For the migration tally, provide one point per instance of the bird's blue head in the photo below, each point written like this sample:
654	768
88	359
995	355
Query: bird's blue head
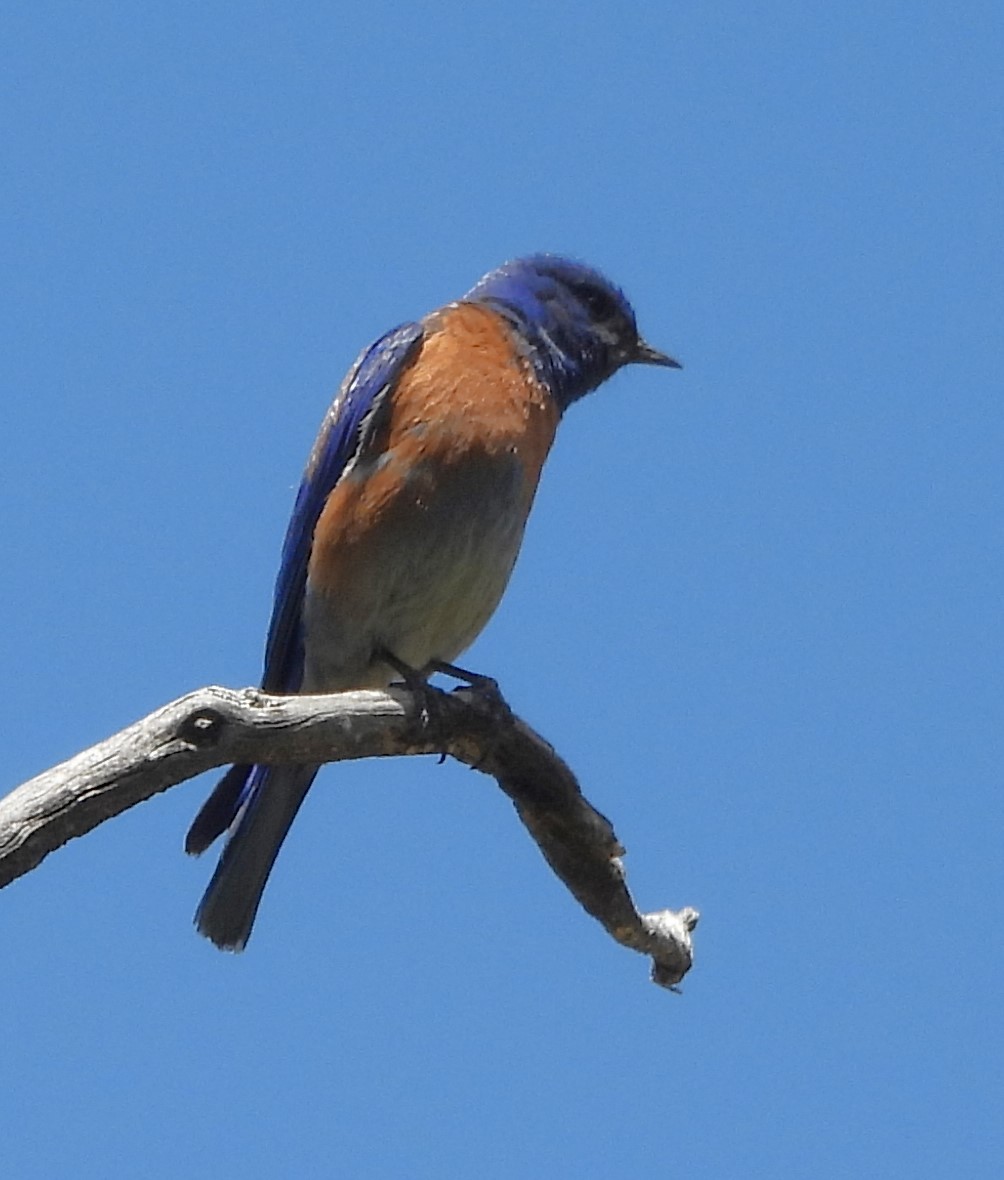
577	327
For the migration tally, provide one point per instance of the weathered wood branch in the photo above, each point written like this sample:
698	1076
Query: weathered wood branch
215	726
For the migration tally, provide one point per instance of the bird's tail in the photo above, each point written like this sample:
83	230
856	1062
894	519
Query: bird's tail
263	800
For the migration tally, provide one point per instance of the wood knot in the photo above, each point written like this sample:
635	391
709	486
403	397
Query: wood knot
202	728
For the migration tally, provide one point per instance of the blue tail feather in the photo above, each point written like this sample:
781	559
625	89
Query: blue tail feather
219	811
267	799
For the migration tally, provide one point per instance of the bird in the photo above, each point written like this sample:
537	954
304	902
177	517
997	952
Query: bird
409	518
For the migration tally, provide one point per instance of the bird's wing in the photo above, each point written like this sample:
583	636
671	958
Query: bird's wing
365	387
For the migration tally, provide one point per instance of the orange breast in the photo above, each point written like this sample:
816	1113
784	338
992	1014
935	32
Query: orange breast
475	393
468	405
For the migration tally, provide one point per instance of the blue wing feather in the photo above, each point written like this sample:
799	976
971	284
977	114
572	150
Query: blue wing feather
375	371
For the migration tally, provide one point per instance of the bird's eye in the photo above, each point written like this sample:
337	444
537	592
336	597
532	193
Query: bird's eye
600	305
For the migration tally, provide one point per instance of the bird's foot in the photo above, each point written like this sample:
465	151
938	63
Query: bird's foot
488	701
426	700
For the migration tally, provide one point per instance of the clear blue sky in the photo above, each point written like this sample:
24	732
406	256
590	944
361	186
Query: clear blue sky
758	608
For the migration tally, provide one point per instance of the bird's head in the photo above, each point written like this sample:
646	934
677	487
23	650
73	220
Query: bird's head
577	328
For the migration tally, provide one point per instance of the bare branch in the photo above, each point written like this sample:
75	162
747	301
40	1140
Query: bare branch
215	726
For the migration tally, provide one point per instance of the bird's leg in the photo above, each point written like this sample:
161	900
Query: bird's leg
417	683
486	686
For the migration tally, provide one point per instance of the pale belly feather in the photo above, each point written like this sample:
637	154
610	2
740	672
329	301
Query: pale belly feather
425	582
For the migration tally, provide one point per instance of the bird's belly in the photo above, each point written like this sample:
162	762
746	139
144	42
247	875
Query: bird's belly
421	581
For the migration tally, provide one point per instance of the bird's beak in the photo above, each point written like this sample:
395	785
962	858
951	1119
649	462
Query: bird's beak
645	354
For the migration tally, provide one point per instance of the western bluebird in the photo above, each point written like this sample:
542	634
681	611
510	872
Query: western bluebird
409	519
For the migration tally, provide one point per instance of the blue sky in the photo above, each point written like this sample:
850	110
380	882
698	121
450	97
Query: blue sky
758	607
